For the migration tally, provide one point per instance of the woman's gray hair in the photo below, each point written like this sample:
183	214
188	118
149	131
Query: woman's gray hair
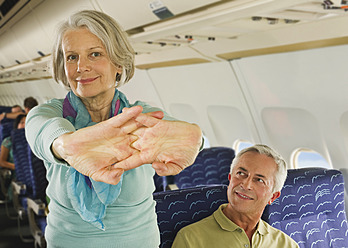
280	176
108	31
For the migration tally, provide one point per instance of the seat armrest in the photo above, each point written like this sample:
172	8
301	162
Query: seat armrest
37	206
172	186
5	173
19	187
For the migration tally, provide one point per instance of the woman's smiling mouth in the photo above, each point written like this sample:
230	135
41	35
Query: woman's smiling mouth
86	80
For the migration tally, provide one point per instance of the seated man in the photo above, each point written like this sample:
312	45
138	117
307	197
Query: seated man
256	177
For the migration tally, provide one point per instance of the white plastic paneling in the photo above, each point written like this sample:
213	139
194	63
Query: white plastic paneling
184	112
42	90
136	13
50	13
290	128
229	124
31	37
200	86
10	49
141	88
312	80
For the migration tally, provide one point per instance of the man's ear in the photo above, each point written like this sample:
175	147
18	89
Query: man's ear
229	176
274	197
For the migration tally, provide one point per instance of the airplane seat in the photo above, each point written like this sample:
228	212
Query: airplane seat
5	129
311	208
20	157
22	185
211	166
37	176
6	109
37	202
178	208
160	182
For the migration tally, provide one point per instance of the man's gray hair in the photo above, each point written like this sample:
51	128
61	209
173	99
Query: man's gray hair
281	174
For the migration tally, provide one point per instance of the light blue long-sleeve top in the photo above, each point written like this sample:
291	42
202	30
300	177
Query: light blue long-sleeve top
130	221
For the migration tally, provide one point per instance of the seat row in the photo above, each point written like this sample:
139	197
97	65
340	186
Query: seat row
28	186
211	166
310	209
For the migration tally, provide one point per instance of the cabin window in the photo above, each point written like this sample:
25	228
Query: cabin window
302	158
239	145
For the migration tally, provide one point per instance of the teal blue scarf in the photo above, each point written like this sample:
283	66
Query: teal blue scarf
90	198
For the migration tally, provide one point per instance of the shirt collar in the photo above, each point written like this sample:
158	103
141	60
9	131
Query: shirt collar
228	225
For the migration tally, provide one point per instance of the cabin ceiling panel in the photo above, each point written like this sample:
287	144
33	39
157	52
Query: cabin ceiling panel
11	50
138	13
31	37
51	12
198	31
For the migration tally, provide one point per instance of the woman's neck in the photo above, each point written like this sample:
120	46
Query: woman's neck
99	106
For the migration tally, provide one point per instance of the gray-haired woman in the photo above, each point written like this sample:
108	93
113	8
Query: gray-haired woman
97	147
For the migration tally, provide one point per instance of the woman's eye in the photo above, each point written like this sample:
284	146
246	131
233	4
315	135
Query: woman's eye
71	57
95	54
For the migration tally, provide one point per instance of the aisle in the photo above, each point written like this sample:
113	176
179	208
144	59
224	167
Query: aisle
9	237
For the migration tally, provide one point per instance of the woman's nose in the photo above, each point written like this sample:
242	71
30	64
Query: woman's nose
83	64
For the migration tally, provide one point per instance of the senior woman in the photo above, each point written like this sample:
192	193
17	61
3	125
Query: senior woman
99	150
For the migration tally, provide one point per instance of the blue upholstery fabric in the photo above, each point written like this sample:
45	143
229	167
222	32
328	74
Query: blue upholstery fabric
5	130
211	166
20	157
311	208
6	109
37	176
178	208
160	182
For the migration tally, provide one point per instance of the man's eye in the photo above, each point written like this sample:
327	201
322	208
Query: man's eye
260	180
240	173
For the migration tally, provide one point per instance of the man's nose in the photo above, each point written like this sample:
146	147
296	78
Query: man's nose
247	183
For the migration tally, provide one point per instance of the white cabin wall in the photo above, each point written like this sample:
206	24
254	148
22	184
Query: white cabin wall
206	94
307	92
41	90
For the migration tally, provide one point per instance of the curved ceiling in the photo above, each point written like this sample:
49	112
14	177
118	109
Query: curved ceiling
166	33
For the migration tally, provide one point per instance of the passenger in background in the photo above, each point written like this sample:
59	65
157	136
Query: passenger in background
256	178
6	156
97	147
16	109
29	103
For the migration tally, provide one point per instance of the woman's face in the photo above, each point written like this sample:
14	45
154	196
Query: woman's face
88	68
21	124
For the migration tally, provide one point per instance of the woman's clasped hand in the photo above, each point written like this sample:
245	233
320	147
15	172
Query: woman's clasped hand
126	141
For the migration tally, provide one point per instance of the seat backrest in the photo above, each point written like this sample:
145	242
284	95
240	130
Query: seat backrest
311	208
178	208
6	109
20	157
211	166
37	176
5	130
160	182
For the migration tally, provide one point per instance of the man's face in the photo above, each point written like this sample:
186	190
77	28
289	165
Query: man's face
251	183
16	109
